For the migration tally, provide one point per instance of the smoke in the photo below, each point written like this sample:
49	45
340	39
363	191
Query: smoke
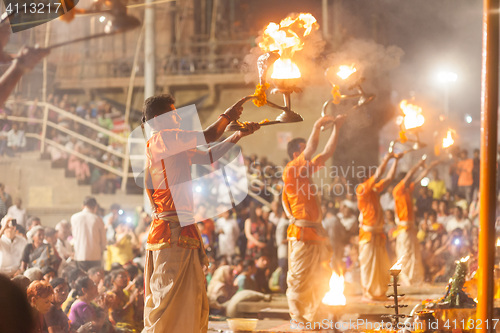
369	58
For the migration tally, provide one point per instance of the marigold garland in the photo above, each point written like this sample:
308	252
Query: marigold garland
260	93
336	95
402	136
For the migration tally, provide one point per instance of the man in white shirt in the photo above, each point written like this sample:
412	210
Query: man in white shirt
89	235
11	247
16	141
17	212
458	221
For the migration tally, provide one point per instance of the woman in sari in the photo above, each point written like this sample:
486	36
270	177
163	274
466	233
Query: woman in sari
37	253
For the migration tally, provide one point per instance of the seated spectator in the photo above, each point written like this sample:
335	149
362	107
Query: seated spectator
56	319
262	275
83	312
34	274
71	274
48	273
15	314
11	248
79	166
461	202
126	242
442	214
16	141
22	282
31	224
63	246
221	289
5	126
40	295
122	312
17	212
96	274
459	221
37	253
474	211
245	280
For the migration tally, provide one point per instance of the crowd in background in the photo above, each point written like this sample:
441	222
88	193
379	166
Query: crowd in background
247	247
13	138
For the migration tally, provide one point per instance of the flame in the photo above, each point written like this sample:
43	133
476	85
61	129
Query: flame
336	294
465	259
498	242
398	265
448	140
287	38
285	69
413	117
346	71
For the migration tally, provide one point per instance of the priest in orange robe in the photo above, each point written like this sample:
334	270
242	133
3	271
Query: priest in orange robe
373	257
309	251
175	295
407	246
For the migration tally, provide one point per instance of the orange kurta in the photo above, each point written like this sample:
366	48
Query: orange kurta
169	155
301	197
404	204
368	194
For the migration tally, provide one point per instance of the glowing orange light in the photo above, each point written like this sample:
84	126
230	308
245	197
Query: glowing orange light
448	141
346	71
398	265
413	117
287	38
336	294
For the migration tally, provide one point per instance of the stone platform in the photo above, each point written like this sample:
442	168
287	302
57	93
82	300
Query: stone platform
273	316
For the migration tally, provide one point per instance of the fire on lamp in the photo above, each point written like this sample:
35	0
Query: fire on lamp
410	121
395	270
412	118
279	43
346	78
448	141
335	298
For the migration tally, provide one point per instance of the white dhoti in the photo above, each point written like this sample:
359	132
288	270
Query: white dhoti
175	295
308	278
407	246
374	266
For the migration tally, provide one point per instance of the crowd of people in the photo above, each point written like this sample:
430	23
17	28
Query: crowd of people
91	267
122	272
13	139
